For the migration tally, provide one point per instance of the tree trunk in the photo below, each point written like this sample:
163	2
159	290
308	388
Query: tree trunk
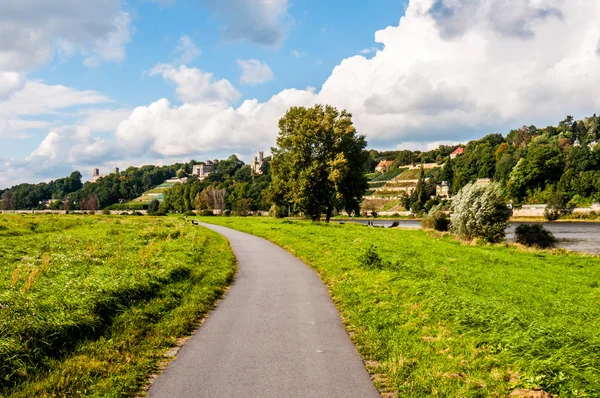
329	213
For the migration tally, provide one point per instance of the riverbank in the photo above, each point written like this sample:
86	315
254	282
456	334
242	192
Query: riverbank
434	317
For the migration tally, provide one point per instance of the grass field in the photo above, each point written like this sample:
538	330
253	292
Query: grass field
90	304
439	318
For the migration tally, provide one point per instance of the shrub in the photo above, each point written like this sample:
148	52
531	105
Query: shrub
159	214
206	213
557	207
153	206
436	219
106	212
370	259
227	213
189	213
480	211
534	235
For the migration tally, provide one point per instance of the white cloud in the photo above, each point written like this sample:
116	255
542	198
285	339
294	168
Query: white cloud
435	79
298	54
193	85
263	22
426	86
35	99
254	72
186	51
31	31
366	51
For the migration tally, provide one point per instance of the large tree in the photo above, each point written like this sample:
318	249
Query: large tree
318	162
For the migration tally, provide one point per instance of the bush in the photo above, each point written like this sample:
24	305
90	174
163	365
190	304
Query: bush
159	213
480	211
153	206
189	213
227	213
106	212
557	207
436	219
370	259
206	213
534	235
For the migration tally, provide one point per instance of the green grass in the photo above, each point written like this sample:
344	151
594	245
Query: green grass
414	174
90	304
389	174
446	319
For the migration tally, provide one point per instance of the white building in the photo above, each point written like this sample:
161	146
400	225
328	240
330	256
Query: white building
256	163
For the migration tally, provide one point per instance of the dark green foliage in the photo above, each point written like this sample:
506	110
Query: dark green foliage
557	207
206	213
370	258
29	196
189	213
534	235
318	164
436	219
153	206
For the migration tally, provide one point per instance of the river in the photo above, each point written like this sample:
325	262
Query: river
575	236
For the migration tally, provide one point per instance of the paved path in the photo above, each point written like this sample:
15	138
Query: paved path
275	334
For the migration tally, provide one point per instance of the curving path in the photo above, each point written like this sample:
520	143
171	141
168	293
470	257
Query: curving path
275	334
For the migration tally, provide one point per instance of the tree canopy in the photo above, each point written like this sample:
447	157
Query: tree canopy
318	163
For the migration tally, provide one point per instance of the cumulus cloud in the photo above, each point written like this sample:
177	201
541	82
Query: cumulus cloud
254	72
18	111
429	82
31	31
193	85
186	51
263	22
425	85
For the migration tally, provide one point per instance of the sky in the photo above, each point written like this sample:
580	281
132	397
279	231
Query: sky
115	83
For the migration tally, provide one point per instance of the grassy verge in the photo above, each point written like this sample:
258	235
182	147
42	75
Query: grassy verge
440	318
90	304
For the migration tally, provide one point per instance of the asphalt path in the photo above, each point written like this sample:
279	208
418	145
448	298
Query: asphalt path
275	334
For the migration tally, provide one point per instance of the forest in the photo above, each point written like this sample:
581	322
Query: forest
534	165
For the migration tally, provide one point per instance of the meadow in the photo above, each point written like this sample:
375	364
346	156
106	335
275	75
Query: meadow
89	305
432	316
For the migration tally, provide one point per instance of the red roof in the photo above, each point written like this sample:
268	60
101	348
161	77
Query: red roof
385	163
459	151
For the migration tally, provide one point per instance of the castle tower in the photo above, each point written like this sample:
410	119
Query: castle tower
260	156
116	170
96	173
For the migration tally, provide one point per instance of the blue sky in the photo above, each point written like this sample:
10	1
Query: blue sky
101	83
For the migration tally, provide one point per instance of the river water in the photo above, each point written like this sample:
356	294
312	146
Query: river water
575	236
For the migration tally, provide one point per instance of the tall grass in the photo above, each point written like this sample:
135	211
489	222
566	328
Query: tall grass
88	305
439	318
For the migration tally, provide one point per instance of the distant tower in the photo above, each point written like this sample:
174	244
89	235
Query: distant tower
96	173
260	157
116	170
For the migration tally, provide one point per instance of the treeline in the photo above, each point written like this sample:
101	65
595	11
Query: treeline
31	196
534	165
230	187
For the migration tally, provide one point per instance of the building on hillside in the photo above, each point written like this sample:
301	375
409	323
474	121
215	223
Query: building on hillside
593	144
256	163
483	181
96	174
577	144
383	166
203	170
458	151
443	190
